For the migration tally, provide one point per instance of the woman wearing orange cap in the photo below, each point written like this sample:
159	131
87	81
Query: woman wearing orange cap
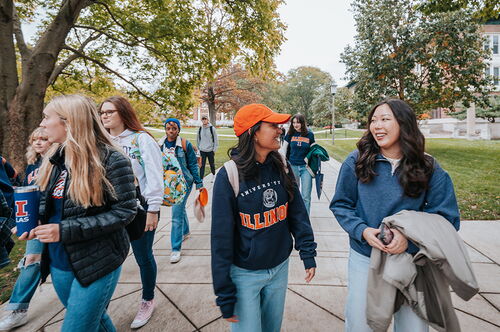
257	212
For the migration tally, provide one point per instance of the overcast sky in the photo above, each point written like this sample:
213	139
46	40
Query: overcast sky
318	31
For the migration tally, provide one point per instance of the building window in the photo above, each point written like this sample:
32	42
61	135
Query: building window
496	75
495	44
487	71
487	42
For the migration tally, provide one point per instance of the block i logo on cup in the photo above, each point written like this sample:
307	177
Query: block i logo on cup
26	200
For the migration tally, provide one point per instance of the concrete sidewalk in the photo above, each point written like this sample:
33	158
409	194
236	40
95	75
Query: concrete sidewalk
185	299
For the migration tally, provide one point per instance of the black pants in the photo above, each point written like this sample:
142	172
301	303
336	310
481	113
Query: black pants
211	161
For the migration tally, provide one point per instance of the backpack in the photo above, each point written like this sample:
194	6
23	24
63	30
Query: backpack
234	177
184	147
174	184
211	132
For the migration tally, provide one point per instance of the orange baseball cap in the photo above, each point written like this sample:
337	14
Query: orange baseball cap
251	114
203	197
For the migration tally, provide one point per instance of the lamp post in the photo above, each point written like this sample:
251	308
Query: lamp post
333	89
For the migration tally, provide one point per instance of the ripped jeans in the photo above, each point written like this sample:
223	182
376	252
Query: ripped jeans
28	279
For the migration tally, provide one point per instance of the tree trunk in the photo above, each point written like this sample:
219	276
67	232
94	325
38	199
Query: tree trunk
25	110
212	111
8	67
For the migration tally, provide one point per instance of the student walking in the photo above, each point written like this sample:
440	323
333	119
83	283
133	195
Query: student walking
29	266
388	173
183	150
300	139
120	119
88	197
256	217
207	142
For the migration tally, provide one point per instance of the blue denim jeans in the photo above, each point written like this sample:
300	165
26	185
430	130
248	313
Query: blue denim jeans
28	278
143	253
304	180
355	311
180	222
85	306
260	298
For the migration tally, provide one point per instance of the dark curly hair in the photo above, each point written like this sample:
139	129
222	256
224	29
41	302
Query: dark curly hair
415	168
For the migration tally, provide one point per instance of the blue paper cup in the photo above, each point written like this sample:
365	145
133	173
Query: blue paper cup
27	201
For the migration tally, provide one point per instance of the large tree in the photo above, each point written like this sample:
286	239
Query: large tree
253	41
158	48
302	87
231	89
482	10
429	61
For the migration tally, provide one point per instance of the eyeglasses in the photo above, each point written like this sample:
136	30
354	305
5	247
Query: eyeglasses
107	113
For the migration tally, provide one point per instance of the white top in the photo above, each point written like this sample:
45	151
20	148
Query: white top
150	176
394	164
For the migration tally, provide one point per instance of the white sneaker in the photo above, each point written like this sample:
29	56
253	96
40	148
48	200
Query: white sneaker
144	314
175	256
14	319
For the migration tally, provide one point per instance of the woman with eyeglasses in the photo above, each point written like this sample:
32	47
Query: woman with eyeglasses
120	119
88	197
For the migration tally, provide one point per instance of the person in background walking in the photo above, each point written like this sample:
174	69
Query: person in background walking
88	197
29	266
183	150
253	226
120	119
207	142
300	139
388	173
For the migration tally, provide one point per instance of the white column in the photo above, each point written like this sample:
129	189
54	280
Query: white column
471	121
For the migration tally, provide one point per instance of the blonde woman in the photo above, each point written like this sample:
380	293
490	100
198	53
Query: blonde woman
88	198
28	278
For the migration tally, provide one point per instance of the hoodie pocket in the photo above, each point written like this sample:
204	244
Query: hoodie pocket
270	247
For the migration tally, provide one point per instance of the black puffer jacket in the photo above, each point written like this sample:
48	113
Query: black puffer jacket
94	238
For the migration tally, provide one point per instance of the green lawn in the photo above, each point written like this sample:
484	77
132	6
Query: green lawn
8	274
472	165
339	133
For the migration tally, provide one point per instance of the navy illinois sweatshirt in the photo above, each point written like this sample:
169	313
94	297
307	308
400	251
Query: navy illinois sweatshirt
254	230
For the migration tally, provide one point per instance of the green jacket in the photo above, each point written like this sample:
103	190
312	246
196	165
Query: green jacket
316	155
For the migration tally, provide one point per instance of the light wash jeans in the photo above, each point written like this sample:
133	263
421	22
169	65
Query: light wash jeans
260	298
28	278
304	180
355	311
85	306
180	221
143	253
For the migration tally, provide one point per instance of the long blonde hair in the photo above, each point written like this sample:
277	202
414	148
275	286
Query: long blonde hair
85	133
31	154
